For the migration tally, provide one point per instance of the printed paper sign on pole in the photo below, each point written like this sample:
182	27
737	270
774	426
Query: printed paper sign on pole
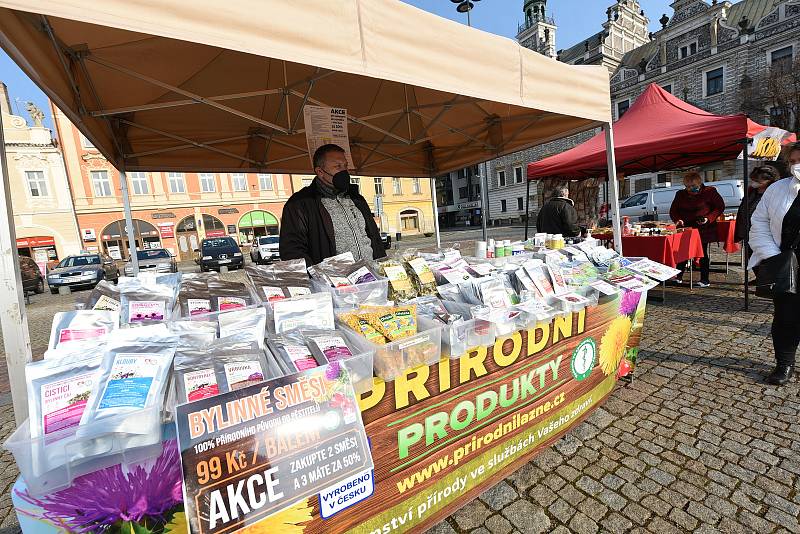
766	145
256	451
326	125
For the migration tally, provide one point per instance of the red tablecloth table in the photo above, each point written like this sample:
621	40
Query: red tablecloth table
725	235
667	249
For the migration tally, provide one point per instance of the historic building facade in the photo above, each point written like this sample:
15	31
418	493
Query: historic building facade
171	210
711	54
44	220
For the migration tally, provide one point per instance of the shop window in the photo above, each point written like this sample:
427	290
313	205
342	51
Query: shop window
715	81
265	182
239	181
177	184
37	185
101	183
138	183
208	183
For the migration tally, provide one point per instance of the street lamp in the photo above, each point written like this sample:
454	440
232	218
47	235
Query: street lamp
465	6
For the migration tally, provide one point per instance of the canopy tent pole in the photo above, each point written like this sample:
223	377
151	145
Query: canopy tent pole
126	203
746	144
484	199
527	206
612	177
13	315
435	213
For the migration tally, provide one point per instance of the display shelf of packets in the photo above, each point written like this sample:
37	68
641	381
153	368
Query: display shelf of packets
353	295
50	463
392	359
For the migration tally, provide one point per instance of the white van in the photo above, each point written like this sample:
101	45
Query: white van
658	201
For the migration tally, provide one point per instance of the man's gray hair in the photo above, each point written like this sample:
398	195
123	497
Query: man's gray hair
561	190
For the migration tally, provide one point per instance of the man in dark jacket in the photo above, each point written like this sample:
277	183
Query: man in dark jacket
558	215
329	216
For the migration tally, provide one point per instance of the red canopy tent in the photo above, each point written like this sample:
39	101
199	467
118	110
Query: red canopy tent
659	132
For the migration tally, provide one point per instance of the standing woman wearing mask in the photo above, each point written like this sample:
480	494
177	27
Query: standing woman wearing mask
776	227
697	206
760	179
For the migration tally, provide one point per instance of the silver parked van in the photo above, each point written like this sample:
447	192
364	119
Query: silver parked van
658	201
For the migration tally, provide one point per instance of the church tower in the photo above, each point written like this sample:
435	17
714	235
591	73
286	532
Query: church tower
538	32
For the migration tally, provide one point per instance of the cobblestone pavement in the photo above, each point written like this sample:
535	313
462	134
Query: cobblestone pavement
696	443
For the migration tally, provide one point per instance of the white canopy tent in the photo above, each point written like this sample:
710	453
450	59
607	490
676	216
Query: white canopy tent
177	86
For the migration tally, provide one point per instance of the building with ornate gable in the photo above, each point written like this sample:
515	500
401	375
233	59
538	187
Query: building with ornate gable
44	219
711	54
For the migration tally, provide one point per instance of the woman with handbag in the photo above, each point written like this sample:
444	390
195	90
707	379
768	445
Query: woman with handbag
774	239
761	178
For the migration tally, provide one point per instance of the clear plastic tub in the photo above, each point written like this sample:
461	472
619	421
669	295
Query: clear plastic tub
459	337
51	463
360	368
375	292
392	359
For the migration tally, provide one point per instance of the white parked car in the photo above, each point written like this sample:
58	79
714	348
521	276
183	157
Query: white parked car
658	201
265	249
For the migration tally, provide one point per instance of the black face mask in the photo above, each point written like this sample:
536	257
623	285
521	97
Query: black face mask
341	180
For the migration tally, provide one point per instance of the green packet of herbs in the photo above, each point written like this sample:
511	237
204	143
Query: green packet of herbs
421	275
400	286
394	322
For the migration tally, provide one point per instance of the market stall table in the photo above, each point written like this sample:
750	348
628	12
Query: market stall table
669	249
726	231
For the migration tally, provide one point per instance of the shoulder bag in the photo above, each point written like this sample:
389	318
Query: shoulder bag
778	275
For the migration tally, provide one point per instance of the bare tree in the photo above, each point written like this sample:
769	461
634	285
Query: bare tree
781	86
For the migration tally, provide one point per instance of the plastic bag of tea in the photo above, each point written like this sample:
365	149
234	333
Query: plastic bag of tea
329	345
194	298
194	333
309	311
400	286
81	326
247	324
420	273
239	368
292	354
146	304
104	296
133	377
342	271
227	296
196	368
58	392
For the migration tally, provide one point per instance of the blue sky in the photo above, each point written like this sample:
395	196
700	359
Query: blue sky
495	16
